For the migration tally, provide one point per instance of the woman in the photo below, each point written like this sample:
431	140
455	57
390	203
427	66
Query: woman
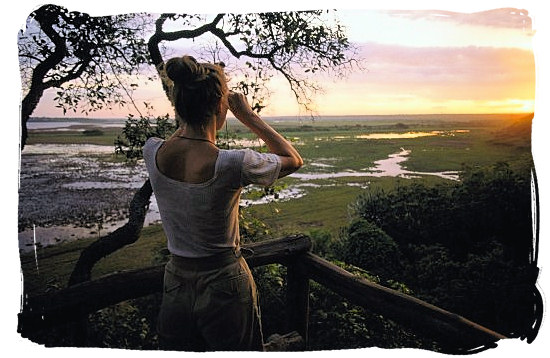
209	300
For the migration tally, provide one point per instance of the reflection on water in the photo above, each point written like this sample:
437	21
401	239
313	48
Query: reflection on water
389	167
392	167
396	135
392	135
283	195
332	138
321	165
76	124
315	176
67	149
408	135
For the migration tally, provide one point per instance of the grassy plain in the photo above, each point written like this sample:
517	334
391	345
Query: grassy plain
327	145
335	143
75	135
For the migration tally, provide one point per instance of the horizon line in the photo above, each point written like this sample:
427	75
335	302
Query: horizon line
315	116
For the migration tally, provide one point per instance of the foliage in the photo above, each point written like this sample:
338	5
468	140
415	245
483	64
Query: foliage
93	62
322	242
367	246
136	131
337	324
94	50
253	84
252	229
334	323
484	287
293	44
271	283
487	204
127	325
97	62
465	247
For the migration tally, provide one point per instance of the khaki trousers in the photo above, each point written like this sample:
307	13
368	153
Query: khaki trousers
209	305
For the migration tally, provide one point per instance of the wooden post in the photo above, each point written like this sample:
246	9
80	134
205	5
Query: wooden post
297	300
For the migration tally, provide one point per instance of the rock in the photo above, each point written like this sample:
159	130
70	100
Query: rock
286	343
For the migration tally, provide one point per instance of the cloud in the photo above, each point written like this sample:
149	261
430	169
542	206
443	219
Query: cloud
460	72
511	18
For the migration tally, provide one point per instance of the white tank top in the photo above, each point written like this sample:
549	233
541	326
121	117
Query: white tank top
202	219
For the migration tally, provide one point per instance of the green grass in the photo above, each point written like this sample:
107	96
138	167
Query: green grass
55	263
322	208
474	149
73	137
325	208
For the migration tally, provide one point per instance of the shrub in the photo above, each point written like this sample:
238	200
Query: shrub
489	204
466	246
335	323
367	246
136	131
93	132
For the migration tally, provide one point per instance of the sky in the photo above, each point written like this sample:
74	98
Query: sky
413	62
419	61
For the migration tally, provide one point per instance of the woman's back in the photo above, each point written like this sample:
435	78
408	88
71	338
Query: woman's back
180	161
199	213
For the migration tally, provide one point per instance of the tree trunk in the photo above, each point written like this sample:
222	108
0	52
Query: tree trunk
72	303
28	105
127	234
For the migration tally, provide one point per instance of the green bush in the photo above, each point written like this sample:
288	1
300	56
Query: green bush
488	204
93	132
136	131
127	325
465	246
335	323
323	243
367	246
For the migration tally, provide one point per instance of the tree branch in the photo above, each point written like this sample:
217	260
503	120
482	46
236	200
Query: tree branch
125	235
126	90
71	75
37	87
160	35
219	33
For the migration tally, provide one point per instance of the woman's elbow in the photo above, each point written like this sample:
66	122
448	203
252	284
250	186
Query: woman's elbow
296	162
299	162
290	164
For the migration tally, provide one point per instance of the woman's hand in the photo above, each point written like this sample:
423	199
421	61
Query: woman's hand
277	144
238	105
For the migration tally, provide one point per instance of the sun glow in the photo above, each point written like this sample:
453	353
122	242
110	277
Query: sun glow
414	62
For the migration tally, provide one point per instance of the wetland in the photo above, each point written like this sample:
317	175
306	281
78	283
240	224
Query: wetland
73	185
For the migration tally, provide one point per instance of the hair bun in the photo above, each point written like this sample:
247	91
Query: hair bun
184	69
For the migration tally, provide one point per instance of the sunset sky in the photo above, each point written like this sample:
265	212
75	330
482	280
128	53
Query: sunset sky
415	61
418	61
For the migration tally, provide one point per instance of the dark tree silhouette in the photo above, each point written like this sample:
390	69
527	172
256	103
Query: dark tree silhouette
292	44
82	56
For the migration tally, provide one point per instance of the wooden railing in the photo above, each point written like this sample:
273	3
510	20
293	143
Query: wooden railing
453	332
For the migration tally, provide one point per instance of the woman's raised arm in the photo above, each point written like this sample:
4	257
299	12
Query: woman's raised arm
277	144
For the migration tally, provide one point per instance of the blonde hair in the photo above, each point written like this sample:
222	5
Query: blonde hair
197	88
